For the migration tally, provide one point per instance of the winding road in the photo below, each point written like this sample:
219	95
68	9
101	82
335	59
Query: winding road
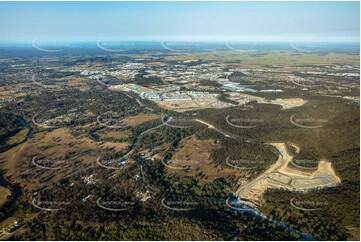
282	161
134	145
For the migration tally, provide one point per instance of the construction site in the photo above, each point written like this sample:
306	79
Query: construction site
283	175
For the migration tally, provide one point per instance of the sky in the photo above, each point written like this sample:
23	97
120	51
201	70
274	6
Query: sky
170	21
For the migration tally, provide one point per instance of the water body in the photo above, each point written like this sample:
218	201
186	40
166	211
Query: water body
23	122
8	208
254	212
28	135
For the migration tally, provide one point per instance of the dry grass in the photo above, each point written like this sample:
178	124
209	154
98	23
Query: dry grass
118	147
195	154
18	137
139	119
4	193
52	145
113	134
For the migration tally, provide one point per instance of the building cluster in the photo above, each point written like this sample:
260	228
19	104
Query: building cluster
237	87
177	95
17	224
188	83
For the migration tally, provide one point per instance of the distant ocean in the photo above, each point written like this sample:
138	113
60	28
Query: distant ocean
190	46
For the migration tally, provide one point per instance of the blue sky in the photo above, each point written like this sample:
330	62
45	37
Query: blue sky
212	21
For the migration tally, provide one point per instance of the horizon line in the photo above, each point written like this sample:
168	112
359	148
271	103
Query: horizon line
175	40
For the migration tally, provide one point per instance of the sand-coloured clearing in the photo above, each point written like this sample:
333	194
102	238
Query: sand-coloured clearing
193	104
286	103
280	175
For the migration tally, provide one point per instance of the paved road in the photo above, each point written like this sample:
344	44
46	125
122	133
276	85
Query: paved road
139	136
214	128
282	160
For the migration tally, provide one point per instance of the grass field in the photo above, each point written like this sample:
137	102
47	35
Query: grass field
287	58
139	119
4	193
113	134
17	138
79	152
196	155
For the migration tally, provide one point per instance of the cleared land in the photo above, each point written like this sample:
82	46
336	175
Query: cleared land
280	175
272	58
74	154
189	105
195	155
287	103
17	138
113	134
4	193
139	119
